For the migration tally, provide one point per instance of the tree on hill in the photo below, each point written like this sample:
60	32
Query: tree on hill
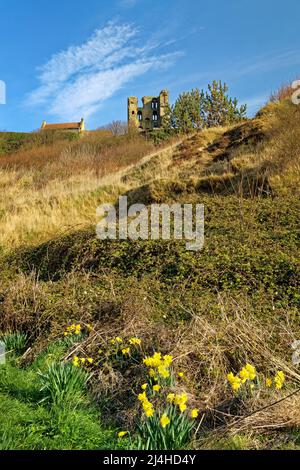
197	109
185	115
218	108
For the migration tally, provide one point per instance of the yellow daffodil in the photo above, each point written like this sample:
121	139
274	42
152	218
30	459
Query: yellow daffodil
279	379
234	381
180	399
244	374
230	377
90	360
142	396
77	329
153	361
171	397
164	421
135	341
126	351
148	408
82	360
168	360
144	386
163	371
157	358
147	405
251	370
194	413
152	372
75	361
180	375
122	433
269	382
149	412
182	407
236	386
156	388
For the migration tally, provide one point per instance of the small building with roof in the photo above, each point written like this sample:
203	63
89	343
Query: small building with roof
78	127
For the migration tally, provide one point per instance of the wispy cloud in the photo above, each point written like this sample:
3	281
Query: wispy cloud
262	64
77	81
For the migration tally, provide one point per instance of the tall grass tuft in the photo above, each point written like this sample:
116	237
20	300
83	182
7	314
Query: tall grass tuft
63	384
15	343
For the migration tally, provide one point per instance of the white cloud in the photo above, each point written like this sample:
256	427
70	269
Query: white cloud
263	64
76	82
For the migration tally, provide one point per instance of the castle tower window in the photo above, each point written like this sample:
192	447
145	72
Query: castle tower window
140	116
154	104
133	113
155	116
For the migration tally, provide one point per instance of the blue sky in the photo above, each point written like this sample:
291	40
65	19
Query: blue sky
66	59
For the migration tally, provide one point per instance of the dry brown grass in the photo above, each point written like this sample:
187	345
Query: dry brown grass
49	189
97	153
283	93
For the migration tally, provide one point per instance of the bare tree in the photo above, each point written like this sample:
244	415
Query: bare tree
116	127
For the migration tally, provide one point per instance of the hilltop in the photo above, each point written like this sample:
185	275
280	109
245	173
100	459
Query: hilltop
235	302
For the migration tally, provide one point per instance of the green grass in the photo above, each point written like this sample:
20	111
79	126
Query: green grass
15	343
28	424
250	246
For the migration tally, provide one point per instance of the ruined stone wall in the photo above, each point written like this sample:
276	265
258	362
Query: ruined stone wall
133	111
149	116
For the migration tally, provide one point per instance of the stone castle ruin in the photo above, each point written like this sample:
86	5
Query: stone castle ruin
149	116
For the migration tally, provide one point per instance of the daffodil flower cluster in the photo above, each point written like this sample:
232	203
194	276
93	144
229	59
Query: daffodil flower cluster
180	400
177	400
246	374
125	349
147	406
167	424
73	330
159	366
77	362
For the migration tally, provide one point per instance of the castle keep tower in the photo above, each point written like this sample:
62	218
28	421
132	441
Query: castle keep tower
149	116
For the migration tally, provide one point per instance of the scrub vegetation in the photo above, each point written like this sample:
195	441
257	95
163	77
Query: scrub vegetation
142	344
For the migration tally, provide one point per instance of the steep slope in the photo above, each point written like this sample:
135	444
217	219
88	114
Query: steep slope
235	302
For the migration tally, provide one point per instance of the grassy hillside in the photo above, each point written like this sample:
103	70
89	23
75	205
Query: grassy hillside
236	302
